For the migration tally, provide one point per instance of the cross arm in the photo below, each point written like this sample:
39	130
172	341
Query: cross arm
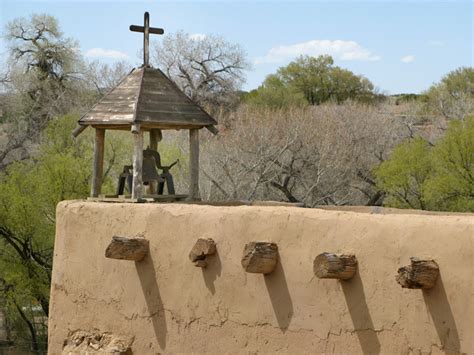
154	30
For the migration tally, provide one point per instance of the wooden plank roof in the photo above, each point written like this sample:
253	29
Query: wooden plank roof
148	97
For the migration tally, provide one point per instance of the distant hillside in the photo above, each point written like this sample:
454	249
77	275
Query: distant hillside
397	99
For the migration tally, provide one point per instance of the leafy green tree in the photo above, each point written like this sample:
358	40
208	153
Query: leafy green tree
453	96
29	192
316	80
433	178
452	187
274	93
404	175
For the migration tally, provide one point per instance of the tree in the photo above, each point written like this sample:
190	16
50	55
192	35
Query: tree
317	80
453	96
39	46
46	78
452	187
319	155
41	80
404	175
208	69
421	176
29	193
273	93
104	77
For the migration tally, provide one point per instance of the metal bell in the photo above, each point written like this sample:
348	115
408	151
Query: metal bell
149	170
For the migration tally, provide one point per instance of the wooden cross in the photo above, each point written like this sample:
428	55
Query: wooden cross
146	30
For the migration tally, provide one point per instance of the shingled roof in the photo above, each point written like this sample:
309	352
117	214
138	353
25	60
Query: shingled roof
148	97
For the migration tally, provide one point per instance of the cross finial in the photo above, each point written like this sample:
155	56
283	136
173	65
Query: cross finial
146	29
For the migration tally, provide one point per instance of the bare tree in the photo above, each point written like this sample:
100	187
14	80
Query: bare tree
38	44
45	77
104	77
38	81
208	69
318	155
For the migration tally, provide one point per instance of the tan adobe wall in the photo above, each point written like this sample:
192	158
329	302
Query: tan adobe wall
164	304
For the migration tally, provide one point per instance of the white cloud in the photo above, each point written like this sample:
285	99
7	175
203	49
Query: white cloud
434	43
344	50
197	36
105	53
407	59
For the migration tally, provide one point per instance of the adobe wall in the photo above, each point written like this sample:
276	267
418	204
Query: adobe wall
164	304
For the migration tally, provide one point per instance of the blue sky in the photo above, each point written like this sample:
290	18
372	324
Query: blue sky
401	46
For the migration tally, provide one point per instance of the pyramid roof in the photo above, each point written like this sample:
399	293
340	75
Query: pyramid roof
148	97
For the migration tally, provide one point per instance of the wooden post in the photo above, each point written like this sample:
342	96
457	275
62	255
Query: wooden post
194	164
335	266
155	137
137	161
201	249
260	257
127	248
420	274
98	167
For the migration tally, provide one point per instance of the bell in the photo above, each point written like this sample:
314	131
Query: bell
149	170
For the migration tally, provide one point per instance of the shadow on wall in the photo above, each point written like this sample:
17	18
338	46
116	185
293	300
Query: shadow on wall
146	274
438	305
361	319
212	271
279	296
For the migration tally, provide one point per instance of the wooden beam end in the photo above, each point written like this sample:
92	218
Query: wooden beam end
123	248
260	257
335	266
420	274
201	249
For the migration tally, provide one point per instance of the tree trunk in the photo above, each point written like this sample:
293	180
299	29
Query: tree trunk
31	328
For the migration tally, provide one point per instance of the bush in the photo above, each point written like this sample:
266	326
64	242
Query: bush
439	178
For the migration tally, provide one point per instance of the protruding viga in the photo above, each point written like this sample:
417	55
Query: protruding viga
335	266
420	274
260	257
123	248
201	250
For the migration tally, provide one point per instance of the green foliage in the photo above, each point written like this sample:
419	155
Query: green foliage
275	94
403	98
403	176
314	80
29	193
452	187
453	96
459	82
439	178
